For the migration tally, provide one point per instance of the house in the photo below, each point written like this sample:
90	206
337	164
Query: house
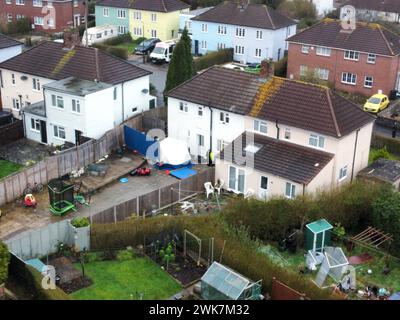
28	77
382	170
142	18
185	19
255	31
375	10
47	16
294	134
364	60
9	47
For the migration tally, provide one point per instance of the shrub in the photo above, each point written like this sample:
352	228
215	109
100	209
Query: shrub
22	25
122	38
121	53
4	261
281	67
381	154
80	222
213	58
392	145
125	255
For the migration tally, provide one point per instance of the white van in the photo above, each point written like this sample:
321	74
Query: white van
163	51
99	34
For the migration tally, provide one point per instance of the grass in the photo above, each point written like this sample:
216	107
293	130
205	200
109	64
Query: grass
374	151
7	168
122	280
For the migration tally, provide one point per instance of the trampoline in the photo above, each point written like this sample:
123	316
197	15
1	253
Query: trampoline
61	197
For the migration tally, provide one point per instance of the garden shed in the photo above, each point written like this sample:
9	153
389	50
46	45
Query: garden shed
318	235
222	283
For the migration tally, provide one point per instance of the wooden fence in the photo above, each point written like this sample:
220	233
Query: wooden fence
146	205
12	187
11	132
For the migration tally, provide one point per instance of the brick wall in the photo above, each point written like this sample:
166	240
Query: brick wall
384	71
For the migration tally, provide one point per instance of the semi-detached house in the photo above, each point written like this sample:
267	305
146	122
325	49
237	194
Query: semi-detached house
63	91
294	137
364	60
375	10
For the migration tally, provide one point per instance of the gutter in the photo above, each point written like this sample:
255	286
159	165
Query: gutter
354	156
211	126
123	102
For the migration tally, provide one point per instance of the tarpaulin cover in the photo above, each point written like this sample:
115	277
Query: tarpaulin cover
136	140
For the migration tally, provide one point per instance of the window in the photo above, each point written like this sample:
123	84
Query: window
37	3
188	24
351	55
76	106
38	21
323	51
35	124
154	33
305	49
303	70
200	140
8	2
13	79
16	104
59	132
290	191
322	73
115	93
204	27
224	117
316	141
121	14
9	17
368	81
106	12
221	144
221	30
98	35
122	29
50	22
50	4
343	173
200	111
57	101
287	135
239	50
264	183
260	126
154	17
36	84
349	78
259	34
371	58
76	3
137	31
221	46
183	106
203	44
240	32
137	15
258	53
20	2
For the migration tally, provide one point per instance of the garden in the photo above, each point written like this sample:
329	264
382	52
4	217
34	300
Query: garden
7	168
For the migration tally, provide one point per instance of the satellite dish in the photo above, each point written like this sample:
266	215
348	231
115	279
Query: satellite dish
145	91
24	78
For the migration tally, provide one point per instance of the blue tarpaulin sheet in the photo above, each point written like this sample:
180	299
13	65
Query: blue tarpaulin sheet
37	264
136	140
183	173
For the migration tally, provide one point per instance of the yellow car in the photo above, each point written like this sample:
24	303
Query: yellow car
376	103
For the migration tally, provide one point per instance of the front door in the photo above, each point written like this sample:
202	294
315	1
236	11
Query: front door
196	47
43	131
262	192
236	179
78	135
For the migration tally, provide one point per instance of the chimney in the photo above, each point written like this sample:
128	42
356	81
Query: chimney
267	69
243	4
71	39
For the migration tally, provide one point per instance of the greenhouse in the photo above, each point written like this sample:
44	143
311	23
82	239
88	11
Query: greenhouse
222	283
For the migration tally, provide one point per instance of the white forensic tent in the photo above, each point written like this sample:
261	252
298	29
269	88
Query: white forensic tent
173	152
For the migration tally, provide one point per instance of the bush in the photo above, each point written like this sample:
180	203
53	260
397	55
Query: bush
4	261
125	255
392	145
121	53
22	25
122	38
212	58
281	67
381	154
80	222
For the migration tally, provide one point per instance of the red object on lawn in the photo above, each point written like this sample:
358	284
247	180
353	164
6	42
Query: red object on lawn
167	172
30	201
143	171
364	258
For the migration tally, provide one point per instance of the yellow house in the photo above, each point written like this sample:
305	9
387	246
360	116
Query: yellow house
156	18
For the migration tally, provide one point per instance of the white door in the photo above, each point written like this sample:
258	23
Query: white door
262	192
236	179
201	150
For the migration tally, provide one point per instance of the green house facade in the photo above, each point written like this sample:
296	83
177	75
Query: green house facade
116	16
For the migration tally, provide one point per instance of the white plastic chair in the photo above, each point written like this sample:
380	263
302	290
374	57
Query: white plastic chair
209	189
219	185
186	205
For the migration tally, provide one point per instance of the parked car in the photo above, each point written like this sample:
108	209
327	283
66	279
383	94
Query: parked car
233	66
376	103
253	68
147	46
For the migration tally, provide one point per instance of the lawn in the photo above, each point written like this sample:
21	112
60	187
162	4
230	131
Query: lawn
7	168
373	151
124	280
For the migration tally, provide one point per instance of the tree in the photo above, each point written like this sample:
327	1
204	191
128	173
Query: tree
381	154
4	261
298	9
181	65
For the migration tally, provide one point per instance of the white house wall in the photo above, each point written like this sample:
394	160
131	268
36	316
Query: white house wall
134	98
8	53
32	134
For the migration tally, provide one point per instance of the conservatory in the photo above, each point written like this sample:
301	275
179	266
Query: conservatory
222	283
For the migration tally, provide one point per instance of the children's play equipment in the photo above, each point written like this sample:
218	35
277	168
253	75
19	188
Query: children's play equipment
141	172
30	201
318	235
61	197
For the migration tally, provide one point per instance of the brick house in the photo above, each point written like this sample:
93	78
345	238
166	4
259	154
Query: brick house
364	60
49	16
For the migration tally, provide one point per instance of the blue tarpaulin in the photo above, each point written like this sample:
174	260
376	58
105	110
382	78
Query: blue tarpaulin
136	140
183	173
37	264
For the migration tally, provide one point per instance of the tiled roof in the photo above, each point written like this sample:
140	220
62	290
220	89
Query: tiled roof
376	5
6	42
283	159
50	60
295	103
147	5
253	15
367	37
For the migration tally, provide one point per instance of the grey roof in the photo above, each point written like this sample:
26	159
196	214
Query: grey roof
36	109
382	170
196	12
77	87
6	42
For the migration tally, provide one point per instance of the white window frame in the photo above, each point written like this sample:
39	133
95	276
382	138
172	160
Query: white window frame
121	14
183	107
200	111
323	74
137	15
305	49
352	55
260	126
323	51
204	27
240	32
203	44
349	78
259	35
13	79
221	144
35	125
38	21
36	84
224	118
56	132
303	70
371	58
16	104
37	3
343	173
153	33
319	141
258	53
20	2
106	12
292	190
55	101
370	82
154	17
221	30
239	50
76	104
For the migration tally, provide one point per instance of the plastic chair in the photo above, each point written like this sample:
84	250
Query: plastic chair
209	189
219	185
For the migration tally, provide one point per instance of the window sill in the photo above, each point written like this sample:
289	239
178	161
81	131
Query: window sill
350	84
342	179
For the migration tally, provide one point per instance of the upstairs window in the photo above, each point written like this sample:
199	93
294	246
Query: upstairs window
260	126
290	191
204	27
106	12
121	14
351	55
316	141
76	106
224	117
183	106
36	84
343	173
221	30
57	101
240	32
305	49
259	34
137	15
323	51
371	58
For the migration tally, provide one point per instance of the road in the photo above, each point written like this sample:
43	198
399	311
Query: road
158	78
386	130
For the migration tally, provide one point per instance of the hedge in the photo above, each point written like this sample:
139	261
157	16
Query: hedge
4	261
213	58
122	38
239	251
380	141
115	51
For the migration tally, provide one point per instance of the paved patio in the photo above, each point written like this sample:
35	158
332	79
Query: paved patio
23	151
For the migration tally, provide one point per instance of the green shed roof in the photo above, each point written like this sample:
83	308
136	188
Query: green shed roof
319	226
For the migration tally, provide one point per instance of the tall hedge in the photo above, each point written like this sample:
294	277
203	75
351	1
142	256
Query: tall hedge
4	261
380	141
213	58
121	53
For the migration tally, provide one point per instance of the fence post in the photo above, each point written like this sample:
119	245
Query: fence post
137	207
115	214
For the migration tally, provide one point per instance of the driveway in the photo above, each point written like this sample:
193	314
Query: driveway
158	78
